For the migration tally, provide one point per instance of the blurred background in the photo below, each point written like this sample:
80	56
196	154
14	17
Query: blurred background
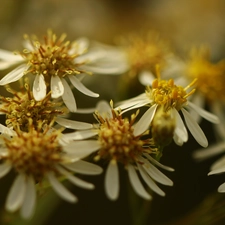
193	199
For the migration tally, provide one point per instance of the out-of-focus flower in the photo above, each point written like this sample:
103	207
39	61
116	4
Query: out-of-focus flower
209	85
144	51
35	156
53	59
172	98
119	141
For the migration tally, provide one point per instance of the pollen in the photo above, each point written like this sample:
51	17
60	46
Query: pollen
52	56
210	76
118	141
145	52
34	152
165	93
22	107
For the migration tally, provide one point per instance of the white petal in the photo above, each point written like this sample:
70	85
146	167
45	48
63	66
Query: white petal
146	78
84	167
39	87
7	131
16	194
7	64
27	209
156	174
112	181
10	56
220	170
104	109
195	129
68	97
152	185
57	87
76	181
157	163
136	184
14	75
4	169
177	140
80	46
73	124
199	100
80	135
218	164
81	149
213	150
27	45
143	124
60	189
80	87
133	101
221	188
180	129
207	115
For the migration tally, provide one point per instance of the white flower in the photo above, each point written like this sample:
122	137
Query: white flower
53	60
209	85
172	98
37	156
145	51
22	107
119	141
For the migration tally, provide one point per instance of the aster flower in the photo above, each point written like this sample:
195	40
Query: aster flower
53	60
172	98
37	156
119	141
209	85
144	51
22	107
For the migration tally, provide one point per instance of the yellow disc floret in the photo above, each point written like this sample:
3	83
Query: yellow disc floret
51	57
146	51
22	107
165	93
211	76
34	152
118	141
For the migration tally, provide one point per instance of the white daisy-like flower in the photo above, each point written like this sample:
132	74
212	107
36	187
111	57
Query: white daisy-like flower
144	51
172	98
209	85
22	107
37	156
53	60
120	141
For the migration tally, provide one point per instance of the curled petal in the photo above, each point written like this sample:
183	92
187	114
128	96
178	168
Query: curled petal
57	87
39	87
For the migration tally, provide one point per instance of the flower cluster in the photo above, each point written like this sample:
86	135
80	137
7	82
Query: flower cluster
36	142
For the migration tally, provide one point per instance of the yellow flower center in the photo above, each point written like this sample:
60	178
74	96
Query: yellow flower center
34	152
210	76
52	56
165	93
118	141
145	52
22	107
